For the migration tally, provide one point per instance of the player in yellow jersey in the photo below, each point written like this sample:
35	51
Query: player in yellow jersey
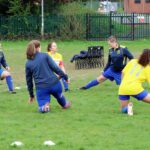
57	57
134	74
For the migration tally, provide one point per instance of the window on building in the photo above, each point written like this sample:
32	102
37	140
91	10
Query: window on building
137	1
147	1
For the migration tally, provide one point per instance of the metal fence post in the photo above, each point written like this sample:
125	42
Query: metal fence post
42	19
110	23
87	26
133	23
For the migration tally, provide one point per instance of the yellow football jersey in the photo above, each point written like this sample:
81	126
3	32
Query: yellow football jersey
57	58
133	76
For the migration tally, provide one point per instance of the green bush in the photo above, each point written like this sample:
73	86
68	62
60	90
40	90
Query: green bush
74	8
73	25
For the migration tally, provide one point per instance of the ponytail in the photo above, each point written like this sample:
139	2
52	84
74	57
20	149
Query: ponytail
32	48
30	53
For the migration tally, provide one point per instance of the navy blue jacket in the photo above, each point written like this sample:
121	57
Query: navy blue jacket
117	58
2	60
42	69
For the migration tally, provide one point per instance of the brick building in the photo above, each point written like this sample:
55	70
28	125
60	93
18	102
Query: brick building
137	6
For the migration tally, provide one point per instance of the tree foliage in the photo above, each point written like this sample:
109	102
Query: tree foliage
22	7
17	8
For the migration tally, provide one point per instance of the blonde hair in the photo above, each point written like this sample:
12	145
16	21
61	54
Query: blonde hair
113	39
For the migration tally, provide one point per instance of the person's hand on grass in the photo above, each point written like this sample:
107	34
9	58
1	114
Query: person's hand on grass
31	100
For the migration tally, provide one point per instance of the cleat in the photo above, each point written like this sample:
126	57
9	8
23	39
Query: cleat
66	90
12	92
44	109
68	104
83	88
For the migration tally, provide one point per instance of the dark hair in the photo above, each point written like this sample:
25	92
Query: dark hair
49	46
36	43
144	58
30	51
112	39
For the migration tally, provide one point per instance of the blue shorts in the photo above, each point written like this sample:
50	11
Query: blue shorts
112	75
139	96
43	95
1	71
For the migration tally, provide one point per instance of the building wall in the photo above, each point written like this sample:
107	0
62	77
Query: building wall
131	7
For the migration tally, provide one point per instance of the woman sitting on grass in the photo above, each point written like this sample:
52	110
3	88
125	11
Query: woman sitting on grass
42	69
134	74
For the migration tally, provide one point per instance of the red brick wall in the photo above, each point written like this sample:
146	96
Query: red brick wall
131	7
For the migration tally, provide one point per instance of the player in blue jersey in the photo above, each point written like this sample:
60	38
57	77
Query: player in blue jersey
41	68
117	59
4	72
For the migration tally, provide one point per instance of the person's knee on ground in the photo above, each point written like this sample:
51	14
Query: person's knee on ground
45	108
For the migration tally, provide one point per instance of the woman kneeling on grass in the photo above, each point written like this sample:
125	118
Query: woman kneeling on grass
42	69
134	74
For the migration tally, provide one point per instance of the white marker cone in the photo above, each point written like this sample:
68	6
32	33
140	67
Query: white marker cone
49	143
17	144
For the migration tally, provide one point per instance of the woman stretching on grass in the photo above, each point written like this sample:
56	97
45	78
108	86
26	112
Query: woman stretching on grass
42	69
134	74
5	74
57	57
116	62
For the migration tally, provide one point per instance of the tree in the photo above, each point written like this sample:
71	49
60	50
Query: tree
17	8
4	5
22	7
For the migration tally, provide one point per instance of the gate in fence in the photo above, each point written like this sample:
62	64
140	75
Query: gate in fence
124	26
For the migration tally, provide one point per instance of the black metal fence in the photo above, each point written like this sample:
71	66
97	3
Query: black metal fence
89	26
124	26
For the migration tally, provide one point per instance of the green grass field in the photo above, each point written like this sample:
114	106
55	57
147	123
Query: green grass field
92	123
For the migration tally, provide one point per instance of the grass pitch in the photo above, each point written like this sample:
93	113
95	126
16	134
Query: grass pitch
92	123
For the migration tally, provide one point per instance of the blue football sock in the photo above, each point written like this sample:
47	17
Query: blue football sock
124	110
91	84
9	83
65	84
